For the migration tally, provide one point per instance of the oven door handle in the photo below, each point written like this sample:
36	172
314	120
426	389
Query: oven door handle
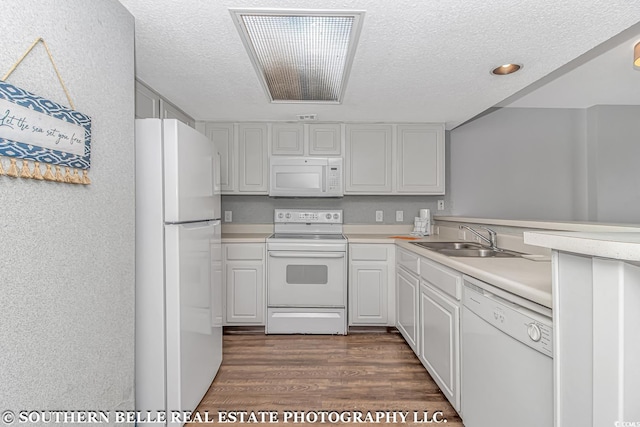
281	254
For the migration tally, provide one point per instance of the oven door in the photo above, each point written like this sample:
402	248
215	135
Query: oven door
306	279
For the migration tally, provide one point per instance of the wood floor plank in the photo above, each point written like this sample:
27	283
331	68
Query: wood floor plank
312	375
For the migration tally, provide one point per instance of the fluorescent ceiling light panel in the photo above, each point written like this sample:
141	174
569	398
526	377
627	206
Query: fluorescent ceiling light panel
300	56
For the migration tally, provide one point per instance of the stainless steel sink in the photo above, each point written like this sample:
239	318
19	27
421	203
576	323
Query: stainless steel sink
449	245
466	249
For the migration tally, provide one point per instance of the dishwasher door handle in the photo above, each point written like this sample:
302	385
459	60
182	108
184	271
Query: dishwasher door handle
306	255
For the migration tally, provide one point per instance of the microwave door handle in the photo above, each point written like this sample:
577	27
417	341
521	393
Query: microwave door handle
324	179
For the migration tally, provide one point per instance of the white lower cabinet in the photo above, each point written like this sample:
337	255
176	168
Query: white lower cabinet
244	283
440	293
428	317
407	318
407	289
439	341
371	297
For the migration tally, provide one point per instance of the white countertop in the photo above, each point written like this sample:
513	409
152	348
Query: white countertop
527	278
619	245
245	237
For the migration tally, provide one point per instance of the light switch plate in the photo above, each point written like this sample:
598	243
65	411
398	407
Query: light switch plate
228	216
379	216
399	216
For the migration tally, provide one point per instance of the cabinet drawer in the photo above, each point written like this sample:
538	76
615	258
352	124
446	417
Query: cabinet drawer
447	280
244	251
408	260
368	252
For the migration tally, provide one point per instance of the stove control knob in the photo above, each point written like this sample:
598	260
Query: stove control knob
336	216
288	215
280	215
534	332
328	216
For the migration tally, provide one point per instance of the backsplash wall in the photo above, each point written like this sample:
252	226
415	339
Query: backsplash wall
357	209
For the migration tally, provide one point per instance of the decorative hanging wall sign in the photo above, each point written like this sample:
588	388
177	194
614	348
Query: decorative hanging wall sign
35	128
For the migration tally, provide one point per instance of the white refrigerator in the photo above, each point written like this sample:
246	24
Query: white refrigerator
178	266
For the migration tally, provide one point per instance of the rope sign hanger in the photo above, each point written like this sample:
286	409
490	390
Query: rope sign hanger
28	51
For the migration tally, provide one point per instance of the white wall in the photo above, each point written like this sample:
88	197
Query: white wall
519	163
67	252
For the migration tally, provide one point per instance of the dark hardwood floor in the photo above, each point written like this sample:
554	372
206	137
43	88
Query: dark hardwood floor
305	377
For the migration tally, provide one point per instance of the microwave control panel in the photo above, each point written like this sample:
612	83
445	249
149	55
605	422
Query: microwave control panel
334	178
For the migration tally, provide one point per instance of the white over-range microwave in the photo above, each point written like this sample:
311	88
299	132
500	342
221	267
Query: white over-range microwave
305	177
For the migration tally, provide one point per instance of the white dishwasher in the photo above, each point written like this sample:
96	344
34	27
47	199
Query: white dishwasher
506	362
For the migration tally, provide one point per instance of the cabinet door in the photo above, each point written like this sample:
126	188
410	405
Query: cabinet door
439	338
169	111
222	136
368	159
325	139
420	159
252	158
368	293
244	292
147	103
287	139
407	288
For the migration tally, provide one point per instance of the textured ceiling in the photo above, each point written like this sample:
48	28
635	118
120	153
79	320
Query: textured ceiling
416	60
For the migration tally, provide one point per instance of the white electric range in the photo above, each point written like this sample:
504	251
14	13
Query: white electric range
307	273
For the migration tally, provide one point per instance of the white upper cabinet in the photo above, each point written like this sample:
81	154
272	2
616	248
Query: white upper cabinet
325	139
253	159
299	139
222	134
147	103
288	139
150	105
170	111
379	159
368	159
420	159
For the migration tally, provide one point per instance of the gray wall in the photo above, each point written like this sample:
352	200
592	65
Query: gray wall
517	164
357	209
614	160
67	263
548	164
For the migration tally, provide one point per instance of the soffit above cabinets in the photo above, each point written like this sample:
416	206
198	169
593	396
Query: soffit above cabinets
416	61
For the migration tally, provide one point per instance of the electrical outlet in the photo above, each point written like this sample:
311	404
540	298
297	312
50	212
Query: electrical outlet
399	216
440	205
228	216
379	216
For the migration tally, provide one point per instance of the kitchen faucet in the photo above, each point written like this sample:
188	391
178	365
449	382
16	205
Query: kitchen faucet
492	240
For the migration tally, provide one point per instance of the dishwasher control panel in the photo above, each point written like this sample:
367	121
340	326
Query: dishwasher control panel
528	327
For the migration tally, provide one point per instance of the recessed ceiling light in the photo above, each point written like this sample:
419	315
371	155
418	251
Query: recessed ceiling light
505	69
300	55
